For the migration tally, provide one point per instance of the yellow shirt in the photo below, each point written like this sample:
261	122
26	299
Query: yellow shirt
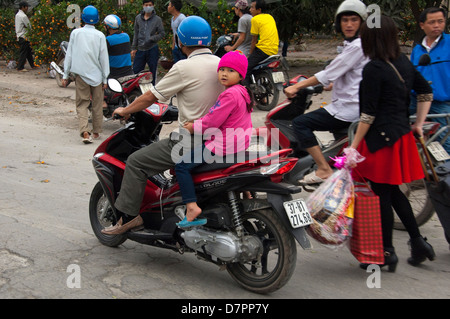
264	25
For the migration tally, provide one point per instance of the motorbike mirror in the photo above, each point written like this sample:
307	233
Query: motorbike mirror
424	59
115	86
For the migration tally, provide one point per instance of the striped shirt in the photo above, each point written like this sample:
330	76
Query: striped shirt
119	49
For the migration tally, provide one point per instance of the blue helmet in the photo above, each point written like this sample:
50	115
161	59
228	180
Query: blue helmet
90	15
194	31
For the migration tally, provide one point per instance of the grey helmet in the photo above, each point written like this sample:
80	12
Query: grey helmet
350	6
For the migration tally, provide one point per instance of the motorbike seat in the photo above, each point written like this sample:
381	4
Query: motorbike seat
126	78
271	58
235	159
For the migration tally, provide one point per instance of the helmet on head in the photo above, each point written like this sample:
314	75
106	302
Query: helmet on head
349	7
90	15
194	31
112	21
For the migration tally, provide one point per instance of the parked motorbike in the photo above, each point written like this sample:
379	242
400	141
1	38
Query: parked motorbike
58	65
278	133
267	78
254	239
133	85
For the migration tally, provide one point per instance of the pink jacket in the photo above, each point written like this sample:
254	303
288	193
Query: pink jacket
227	127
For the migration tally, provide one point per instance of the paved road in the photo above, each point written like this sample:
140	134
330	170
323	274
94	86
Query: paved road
46	240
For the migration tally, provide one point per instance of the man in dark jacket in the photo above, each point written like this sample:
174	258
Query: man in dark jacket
148	30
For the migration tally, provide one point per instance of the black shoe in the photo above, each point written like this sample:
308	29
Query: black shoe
390	260
420	250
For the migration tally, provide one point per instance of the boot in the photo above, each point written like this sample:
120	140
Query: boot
390	260
420	250
121	228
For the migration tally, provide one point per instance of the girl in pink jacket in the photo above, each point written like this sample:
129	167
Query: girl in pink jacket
226	129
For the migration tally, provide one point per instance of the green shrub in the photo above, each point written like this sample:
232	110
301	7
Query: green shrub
49	25
9	47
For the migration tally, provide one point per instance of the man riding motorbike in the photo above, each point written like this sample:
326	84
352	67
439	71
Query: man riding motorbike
194	81
343	74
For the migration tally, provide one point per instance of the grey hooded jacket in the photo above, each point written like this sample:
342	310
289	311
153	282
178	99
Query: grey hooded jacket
147	33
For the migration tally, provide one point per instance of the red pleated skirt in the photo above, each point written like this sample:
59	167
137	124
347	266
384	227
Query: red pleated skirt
394	165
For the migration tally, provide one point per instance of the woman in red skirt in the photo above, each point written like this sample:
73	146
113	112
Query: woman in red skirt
384	135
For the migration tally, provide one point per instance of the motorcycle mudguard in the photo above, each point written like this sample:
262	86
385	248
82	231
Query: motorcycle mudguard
105	176
299	233
279	87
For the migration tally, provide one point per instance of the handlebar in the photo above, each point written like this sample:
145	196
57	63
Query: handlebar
434	116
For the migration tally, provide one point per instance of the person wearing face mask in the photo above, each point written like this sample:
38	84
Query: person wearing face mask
148	30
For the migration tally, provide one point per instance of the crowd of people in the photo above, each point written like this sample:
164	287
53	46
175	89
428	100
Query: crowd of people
371	81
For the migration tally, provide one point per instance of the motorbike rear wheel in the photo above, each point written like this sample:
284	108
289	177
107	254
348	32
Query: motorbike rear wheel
102	215
277	263
266	93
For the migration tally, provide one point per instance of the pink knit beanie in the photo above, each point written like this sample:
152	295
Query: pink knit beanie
235	60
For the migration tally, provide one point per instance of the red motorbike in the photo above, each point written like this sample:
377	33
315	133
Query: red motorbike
133	86
279	132
254	239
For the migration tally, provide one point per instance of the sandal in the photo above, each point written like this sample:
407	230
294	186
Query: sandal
310	179
196	222
88	139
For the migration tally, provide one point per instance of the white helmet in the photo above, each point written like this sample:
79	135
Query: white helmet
112	21
350	6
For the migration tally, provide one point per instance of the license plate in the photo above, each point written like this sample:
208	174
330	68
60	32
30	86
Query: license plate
145	87
298	213
438	151
278	77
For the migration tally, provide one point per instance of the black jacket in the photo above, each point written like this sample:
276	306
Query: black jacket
382	94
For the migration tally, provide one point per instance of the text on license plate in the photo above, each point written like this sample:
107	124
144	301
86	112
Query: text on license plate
298	213
278	77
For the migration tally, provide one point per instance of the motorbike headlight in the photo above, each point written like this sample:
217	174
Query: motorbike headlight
154	109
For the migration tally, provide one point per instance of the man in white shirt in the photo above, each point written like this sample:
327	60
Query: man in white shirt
87	57
22	26
344	74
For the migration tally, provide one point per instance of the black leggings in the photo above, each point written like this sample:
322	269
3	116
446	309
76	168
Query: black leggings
392	197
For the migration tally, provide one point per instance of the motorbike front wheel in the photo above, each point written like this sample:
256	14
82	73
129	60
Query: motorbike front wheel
265	92
277	263
102	215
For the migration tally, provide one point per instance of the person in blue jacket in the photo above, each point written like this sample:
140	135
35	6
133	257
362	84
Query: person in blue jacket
119	48
436	44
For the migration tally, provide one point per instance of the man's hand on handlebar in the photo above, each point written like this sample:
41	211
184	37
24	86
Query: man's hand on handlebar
120	112
290	92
